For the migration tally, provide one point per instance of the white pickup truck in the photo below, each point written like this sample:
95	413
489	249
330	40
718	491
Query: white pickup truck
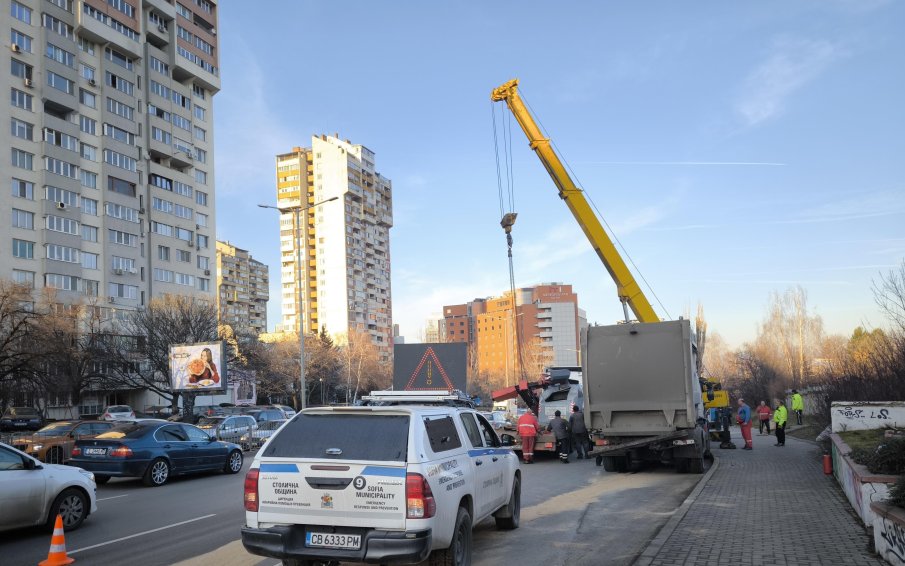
392	483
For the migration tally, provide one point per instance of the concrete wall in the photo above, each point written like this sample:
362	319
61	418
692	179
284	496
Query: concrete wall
861	487
867	415
889	532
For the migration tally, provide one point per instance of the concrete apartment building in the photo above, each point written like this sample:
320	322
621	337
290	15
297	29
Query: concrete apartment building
546	319
242	289
108	169
346	248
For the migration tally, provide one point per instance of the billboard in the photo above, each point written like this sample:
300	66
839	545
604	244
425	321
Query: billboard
243	382
430	367
200	368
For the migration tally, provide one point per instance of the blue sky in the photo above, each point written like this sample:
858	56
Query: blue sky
734	148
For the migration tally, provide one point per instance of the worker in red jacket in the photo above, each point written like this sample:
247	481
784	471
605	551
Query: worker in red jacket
528	427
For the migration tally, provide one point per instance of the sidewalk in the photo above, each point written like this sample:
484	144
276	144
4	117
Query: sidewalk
769	506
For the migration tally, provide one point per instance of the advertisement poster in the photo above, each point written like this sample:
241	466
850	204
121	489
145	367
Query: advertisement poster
243	382
198	367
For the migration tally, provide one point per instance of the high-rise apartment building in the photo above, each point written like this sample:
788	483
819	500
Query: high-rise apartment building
538	327
344	243
242	289
108	163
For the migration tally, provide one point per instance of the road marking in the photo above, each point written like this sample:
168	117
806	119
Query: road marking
142	533
114	497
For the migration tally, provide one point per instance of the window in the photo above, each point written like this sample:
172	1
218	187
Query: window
119	83
162	205
163	253
160	135
21	129
57	252
182	211
87	72
89	260
87	46
181	100
19	69
89	206
60	83
204	262
60	55
160	113
158	65
201	198
23	219
23	189
21	40
198	112
122	291
89	287
442	433
162	229
164	275
184	279
200	134
184	256
23	249
120	109
122	238
120	186
182	145
88	178
182	122
121	212
110	22
198	91
88	152
63	282
118	58
61	167
201	219
88	125
24	277
186	54
204	284
471	429
161	182
89	99
202	241
60	139
58	26
184	234
64	4
20	12
20	99
22	159
59	224
123	7
89	233
182	189
119	160
200	177
160	90
119	134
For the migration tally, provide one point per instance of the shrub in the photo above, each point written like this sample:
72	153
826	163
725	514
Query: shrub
888	458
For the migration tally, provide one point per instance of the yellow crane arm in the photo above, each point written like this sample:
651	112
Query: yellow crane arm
629	292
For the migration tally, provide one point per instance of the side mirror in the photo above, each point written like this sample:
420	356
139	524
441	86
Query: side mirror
211	439
29	464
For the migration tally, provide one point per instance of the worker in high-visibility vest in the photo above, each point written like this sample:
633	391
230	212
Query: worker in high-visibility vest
780	416
528	427
797	405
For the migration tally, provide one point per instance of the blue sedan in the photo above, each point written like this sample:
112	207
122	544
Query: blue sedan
154	450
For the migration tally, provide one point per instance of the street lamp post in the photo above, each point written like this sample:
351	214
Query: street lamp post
297	229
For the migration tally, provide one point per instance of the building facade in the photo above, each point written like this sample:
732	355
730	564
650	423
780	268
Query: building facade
538	327
108	169
242	289
344	243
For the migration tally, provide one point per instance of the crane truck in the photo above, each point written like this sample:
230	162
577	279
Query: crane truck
644	399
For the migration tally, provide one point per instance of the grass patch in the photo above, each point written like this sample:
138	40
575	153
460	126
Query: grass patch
863	439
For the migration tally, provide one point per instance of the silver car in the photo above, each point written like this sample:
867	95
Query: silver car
33	493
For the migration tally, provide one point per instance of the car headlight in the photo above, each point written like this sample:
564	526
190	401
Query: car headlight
36	447
87	473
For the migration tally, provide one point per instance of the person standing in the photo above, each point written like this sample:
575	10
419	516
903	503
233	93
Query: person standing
763	415
528	427
744	421
780	416
579	432
797	405
560	429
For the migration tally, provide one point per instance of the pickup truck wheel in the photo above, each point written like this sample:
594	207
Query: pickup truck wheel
513	509
459	551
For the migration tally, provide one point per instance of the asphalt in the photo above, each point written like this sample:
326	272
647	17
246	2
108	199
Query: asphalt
767	506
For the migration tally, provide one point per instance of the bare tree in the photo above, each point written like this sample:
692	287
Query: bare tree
790	336
889	294
700	337
17	316
361	365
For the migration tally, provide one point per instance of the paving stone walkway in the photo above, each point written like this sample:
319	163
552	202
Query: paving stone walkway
768	506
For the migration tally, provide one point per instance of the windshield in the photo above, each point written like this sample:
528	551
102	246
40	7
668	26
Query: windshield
346	436
131	430
56	429
119	409
22	412
209	421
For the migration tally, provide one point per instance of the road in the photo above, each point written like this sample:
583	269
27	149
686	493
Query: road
571	513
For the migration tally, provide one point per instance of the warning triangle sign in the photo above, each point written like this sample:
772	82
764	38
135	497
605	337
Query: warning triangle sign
429	375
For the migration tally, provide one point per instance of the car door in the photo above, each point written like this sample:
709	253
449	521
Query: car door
21	491
210	455
483	471
501	481
173	440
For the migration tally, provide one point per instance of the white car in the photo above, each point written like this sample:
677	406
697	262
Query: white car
33	493
118	413
393	482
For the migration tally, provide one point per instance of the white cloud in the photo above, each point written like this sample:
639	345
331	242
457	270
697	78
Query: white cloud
790	65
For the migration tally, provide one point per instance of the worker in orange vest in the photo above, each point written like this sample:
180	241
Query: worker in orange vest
528	427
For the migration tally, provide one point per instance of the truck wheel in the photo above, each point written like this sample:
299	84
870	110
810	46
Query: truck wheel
609	463
513	509
681	465
696	464
459	551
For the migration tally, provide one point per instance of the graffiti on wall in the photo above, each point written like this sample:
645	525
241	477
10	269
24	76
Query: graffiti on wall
866	416
894	535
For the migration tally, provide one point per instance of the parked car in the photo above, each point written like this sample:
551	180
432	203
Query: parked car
393	483
53	443
229	428
497	419
257	437
264	414
118	413
157	412
32	493
21	418
154	451
287	410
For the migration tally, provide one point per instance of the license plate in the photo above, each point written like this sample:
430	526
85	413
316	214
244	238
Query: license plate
20	424
95	451
332	540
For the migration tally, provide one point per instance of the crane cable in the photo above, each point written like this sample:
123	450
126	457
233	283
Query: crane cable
594	205
508	216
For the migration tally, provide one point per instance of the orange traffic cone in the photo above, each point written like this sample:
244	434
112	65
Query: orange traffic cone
57	555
